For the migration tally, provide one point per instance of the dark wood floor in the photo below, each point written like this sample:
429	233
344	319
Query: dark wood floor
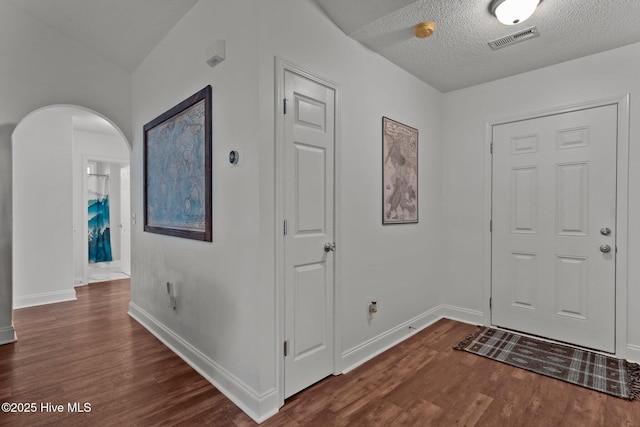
91	351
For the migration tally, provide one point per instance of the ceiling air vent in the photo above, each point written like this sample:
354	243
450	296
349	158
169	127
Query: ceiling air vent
514	38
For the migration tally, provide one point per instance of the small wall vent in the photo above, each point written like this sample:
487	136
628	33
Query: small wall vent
514	38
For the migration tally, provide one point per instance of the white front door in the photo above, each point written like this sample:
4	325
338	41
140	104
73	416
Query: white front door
554	226
125	217
309	160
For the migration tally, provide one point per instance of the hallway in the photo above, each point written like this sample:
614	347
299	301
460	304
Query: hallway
91	351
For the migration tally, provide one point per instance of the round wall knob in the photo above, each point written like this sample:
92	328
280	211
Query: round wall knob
234	157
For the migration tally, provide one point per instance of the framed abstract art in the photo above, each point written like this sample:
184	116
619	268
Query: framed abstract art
399	173
177	170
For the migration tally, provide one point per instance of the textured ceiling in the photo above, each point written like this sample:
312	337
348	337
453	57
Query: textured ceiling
457	55
122	31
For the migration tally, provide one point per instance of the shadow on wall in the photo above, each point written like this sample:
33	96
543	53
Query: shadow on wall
6	131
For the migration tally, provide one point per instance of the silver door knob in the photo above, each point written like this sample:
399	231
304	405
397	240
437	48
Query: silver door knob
605	248
329	247
605	231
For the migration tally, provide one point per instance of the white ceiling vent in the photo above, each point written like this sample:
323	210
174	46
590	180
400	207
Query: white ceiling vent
514	38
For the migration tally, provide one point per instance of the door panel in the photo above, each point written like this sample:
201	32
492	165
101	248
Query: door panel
310	305
309	159
572	274
554	188
524	200
310	192
572	201
524	280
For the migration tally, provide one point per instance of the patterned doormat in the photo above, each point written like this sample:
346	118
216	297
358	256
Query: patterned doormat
595	371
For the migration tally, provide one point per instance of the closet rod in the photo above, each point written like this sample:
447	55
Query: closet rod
97	174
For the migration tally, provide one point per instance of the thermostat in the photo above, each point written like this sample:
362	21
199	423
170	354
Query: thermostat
234	156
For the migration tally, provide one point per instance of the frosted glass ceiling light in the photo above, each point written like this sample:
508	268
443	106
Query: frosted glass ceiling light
511	12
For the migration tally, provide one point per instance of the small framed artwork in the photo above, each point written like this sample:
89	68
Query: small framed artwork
177	170
399	173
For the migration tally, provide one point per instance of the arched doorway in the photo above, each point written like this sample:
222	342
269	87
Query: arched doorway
51	148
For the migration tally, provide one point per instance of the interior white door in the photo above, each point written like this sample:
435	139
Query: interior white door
125	217
309	210
554	229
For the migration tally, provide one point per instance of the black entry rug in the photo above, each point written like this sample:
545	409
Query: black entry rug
595	371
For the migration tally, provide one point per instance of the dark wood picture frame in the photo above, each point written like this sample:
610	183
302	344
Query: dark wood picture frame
399	173
178	170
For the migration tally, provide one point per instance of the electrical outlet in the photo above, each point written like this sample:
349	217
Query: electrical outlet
172	295
373	307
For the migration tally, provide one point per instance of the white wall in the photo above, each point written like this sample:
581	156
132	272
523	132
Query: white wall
42	210
605	75
40	67
95	146
226	319
397	265
222	310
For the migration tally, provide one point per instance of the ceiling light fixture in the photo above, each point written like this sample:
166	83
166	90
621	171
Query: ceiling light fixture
511	12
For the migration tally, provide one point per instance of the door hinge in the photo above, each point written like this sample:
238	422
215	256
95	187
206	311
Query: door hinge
286	348
491	148
285	227
284	105
490	226
490	303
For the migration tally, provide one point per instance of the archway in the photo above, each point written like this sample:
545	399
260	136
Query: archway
51	148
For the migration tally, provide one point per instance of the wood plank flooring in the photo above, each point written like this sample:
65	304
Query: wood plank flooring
91	351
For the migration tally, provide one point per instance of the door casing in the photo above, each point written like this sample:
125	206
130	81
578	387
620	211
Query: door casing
282	65
622	201
85	214
125	219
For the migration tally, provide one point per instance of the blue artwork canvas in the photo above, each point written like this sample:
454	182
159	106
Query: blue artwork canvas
177	148
176	172
99	229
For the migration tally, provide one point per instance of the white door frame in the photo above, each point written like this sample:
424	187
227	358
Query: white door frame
622	202
281	66
85	214
125	216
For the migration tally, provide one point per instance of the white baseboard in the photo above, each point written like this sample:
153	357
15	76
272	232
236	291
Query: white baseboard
371	348
633	353
463	315
44	298
106	264
258	406
7	335
356	356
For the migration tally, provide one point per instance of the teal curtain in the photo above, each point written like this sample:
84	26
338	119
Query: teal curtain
99	229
